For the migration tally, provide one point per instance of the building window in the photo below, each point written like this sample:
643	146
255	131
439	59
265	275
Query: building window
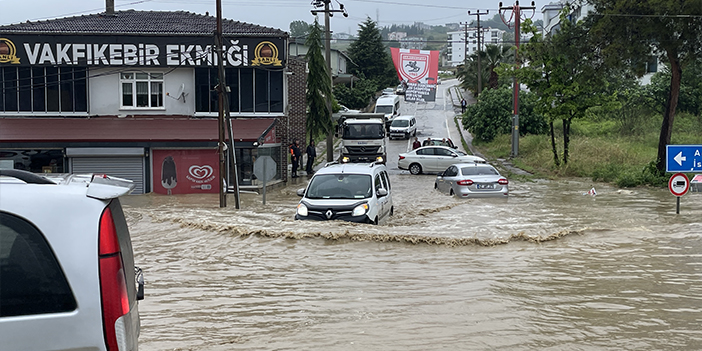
43	89
251	90
141	90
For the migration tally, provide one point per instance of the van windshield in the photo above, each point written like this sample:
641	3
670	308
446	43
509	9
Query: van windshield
383	109
400	123
363	131
340	186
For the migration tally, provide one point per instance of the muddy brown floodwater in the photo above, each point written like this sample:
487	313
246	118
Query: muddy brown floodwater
546	269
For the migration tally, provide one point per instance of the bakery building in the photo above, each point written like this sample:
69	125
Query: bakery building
133	94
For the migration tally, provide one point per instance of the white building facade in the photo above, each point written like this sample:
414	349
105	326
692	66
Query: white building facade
460	47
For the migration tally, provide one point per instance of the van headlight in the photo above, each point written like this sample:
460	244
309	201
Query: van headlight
302	210
360	210
379	159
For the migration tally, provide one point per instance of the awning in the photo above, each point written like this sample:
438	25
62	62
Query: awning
114	129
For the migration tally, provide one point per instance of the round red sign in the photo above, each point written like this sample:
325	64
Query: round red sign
679	184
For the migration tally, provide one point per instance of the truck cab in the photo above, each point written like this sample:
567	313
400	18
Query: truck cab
362	138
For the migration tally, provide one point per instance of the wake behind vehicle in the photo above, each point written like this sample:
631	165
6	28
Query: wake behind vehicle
362	138
350	192
434	159
67	274
467	180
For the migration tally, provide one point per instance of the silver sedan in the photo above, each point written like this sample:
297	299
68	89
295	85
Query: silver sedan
434	159
466	180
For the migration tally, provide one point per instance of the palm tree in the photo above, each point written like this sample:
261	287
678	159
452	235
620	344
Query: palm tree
494	55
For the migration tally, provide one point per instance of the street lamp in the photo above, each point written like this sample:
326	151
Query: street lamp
328	12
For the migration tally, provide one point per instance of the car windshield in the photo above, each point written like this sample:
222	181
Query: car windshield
478	171
400	123
340	186
383	109
363	131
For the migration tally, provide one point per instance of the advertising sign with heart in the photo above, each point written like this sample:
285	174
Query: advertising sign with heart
185	171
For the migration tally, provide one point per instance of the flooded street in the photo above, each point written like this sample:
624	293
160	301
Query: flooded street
546	269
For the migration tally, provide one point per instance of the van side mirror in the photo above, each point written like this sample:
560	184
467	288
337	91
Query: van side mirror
301	192
382	192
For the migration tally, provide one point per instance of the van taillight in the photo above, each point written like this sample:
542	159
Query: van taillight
113	283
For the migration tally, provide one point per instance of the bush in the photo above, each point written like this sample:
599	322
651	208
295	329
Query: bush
492	115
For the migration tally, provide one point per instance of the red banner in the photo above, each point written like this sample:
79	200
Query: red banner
185	171
419	70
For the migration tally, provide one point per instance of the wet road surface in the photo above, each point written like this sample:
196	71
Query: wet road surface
546	269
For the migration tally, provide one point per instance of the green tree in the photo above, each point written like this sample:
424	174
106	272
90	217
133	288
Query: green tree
318	86
371	57
492	115
629	31
299	29
357	98
562	72
494	55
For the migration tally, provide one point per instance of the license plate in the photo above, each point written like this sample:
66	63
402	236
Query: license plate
486	186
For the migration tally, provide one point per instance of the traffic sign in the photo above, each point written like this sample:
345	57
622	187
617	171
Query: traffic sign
683	158
679	184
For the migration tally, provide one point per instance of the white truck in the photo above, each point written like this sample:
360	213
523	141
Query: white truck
362	137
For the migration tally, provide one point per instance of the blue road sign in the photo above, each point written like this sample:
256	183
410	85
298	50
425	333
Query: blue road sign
683	158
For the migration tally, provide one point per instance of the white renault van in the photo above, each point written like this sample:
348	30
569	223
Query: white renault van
354	192
403	127
389	105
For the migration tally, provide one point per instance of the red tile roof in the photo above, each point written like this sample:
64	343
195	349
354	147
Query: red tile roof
112	129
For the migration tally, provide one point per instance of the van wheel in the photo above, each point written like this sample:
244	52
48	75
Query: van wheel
415	168
392	210
451	192
415	133
436	186
375	222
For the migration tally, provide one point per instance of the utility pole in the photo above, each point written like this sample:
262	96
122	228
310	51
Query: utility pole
465	43
480	34
328	12
223	107
516	15
220	104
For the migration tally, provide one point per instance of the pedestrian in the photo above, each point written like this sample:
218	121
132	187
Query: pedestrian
426	142
463	105
416	143
311	154
295	155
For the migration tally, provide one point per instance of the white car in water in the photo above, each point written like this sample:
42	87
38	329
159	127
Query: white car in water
355	192
428	159
467	180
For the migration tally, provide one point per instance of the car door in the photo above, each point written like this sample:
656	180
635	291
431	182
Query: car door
381	200
447	179
427	159
387	204
445	158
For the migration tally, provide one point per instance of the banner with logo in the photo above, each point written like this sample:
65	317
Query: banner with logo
185	171
138	51
419	70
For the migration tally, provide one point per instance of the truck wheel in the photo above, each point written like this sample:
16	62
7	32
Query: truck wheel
415	168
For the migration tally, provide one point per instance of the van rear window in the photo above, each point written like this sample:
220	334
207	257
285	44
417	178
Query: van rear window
31	280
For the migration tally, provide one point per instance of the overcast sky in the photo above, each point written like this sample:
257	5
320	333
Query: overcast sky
270	13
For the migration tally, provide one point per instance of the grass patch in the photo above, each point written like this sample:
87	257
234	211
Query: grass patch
597	150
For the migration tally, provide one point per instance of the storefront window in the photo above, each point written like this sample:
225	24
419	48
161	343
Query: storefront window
43	89
252	90
35	161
